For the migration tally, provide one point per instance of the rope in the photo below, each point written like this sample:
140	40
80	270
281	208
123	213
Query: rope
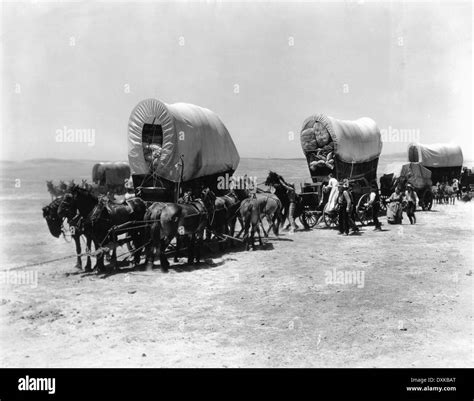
53	260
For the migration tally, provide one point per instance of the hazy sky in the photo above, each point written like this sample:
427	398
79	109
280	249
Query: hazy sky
85	66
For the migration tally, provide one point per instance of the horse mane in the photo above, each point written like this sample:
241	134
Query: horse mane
97	211
273	178
54	205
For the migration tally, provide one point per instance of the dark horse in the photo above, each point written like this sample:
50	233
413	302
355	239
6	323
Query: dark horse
275	180
100	216
55	224
173	220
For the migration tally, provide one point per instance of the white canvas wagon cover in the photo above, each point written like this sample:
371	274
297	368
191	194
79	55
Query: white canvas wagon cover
189	130
355	141
436	155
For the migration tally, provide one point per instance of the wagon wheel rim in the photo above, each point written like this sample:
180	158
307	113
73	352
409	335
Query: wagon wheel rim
309	219
361	212
329	221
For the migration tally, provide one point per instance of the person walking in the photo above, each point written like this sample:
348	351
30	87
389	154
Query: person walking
352	212
374	203
455	186
412	200
291	193
344	206
394	207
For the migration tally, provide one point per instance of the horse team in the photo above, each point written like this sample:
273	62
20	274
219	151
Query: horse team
445	194
152	226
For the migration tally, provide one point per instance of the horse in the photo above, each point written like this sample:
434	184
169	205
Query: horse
268	205
99	217
449	195
227	211
274	181
71	207
250	214
107	215
187	220
152	219
55	225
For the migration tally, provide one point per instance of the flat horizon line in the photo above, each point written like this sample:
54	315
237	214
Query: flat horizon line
57	159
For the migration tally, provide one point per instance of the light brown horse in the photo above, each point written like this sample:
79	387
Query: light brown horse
269	207
253	209
250	214
187	220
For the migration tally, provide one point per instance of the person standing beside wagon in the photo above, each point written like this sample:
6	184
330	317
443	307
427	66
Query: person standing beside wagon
394	207
412	200
374	202
344	205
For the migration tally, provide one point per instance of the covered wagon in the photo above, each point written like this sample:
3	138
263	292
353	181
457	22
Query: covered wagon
171	146
347	149
443	160
400	174
110	176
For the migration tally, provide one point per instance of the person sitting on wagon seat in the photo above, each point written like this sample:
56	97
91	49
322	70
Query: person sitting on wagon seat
344	205
374	202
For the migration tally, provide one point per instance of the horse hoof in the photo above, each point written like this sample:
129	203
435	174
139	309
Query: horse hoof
164	270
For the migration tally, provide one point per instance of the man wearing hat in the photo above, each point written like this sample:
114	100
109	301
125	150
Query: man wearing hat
412	200
344	205
374	202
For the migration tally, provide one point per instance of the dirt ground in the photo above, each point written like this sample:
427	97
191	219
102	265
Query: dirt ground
274	307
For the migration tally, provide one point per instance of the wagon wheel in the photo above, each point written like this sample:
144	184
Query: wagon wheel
362	211
330	219
308	219
427	200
